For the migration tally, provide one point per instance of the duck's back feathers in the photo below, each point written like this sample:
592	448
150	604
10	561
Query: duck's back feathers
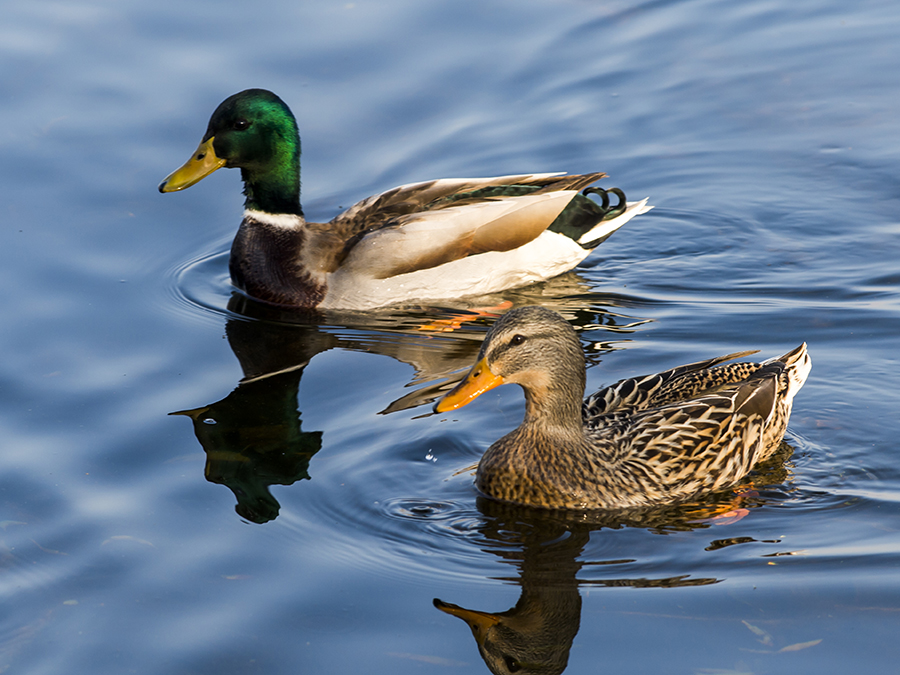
483	214
378	210
637	393
457	237
427	239
701	429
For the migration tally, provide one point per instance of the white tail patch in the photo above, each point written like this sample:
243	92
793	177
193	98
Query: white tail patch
799	365
607	227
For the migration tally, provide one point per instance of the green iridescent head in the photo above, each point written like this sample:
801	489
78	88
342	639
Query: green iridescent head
255	131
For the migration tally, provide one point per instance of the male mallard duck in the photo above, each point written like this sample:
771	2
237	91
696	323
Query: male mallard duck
642	441
438	239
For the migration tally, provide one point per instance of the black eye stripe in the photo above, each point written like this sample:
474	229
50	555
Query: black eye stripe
517	340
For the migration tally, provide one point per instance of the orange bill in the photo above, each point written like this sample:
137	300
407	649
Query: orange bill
479	622
202	163
479	380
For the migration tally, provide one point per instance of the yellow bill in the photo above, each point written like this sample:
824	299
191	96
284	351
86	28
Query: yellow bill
202	163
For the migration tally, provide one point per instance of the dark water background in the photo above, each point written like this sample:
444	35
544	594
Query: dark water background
766	134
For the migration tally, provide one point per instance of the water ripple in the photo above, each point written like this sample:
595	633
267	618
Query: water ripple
202	283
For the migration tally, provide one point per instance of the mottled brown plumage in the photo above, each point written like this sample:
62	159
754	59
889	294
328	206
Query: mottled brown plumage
643	441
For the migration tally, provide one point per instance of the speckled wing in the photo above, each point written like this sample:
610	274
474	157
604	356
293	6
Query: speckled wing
679	449
638	393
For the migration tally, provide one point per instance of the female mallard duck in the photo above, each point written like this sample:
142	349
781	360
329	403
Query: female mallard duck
438	239
642	441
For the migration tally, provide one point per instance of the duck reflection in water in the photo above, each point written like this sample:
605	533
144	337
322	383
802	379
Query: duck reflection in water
253	438
546	547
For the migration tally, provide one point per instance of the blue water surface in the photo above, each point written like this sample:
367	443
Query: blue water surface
303	510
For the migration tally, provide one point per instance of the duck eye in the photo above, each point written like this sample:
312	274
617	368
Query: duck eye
240	125
517	340
512	665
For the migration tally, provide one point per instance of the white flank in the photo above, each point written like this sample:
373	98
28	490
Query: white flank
422	235
547	256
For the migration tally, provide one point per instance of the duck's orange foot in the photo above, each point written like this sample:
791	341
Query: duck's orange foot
727	514
448	325
727	518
